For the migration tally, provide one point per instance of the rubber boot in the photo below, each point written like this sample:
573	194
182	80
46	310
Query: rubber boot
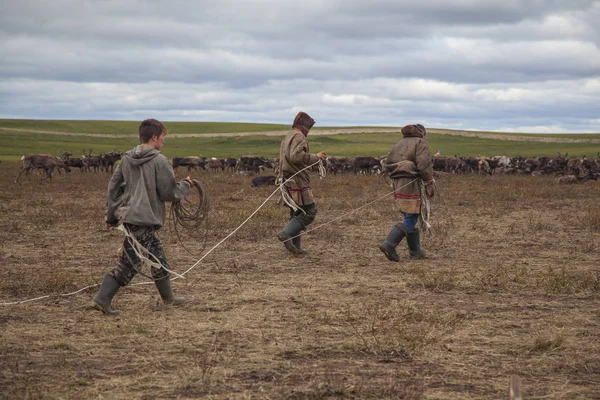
293	228
413	239
296	242
166	291
108	289
388	246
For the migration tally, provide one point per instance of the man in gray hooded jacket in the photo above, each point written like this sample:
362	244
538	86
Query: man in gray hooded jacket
138	189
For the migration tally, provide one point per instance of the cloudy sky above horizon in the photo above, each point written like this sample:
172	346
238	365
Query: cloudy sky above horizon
499	65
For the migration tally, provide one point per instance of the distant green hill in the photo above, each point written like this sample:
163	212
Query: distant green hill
14	143
131	127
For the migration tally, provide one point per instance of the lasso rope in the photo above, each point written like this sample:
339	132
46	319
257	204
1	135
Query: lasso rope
322	169
190	217
425	210
285	195
223	240
247	219
300	234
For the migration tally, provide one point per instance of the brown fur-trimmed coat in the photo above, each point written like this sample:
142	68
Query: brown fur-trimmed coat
408	160
294	155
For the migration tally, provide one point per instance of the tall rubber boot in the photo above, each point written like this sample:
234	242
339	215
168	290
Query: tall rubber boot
166	291
293	228
388	246
108	289
413	240
296	242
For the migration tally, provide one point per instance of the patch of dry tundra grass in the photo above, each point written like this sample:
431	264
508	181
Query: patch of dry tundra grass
510	288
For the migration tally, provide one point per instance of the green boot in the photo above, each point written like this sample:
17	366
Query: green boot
166	291
108	289
413	240
388	246
293	228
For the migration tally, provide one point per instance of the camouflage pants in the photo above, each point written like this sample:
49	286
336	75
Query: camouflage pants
306	217
130	264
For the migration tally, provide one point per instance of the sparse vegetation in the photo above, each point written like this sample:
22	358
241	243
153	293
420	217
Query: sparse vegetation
511	287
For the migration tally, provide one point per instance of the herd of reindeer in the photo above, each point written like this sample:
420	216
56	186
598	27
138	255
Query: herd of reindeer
567	170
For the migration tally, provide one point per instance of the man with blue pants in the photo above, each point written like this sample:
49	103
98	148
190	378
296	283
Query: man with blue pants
409	165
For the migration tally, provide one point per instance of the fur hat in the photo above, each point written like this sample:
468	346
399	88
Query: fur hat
303	120
417	130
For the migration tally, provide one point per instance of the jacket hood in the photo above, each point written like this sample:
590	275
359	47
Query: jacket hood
141	154
304	122
417	130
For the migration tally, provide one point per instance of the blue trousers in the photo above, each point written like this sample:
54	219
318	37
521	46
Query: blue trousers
409	222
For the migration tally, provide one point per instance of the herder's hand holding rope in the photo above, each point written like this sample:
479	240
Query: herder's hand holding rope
190	181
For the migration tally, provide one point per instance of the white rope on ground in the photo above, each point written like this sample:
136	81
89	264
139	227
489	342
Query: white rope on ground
247	219
300	234
48	296
224	239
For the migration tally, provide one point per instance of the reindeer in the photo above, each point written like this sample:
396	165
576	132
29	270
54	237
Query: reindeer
338	165
484	166
109	159
253	164
558	164
74	162
45	162
230	164
92	161
575	166
191	162
214	164
571	179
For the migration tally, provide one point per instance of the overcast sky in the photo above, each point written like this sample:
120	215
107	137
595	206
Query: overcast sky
503	65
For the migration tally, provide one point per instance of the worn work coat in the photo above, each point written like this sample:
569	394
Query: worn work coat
138	189
293	157
408	164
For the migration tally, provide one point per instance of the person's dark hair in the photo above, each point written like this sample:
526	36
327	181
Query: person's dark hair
149	128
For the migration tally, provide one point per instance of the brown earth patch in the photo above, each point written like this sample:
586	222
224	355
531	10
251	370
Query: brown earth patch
512	286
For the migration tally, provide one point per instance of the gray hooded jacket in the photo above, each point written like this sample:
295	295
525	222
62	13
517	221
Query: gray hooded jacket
143	181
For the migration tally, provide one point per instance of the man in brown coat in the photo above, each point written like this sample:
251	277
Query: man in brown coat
293	157
409	166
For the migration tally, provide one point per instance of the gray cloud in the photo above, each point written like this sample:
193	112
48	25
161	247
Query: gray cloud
494	65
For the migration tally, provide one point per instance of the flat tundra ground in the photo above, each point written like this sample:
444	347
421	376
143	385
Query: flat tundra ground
511	287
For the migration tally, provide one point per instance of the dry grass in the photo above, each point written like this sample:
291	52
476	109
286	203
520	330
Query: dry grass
512	286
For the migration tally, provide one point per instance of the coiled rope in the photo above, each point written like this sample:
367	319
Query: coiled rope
190	215
187	215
